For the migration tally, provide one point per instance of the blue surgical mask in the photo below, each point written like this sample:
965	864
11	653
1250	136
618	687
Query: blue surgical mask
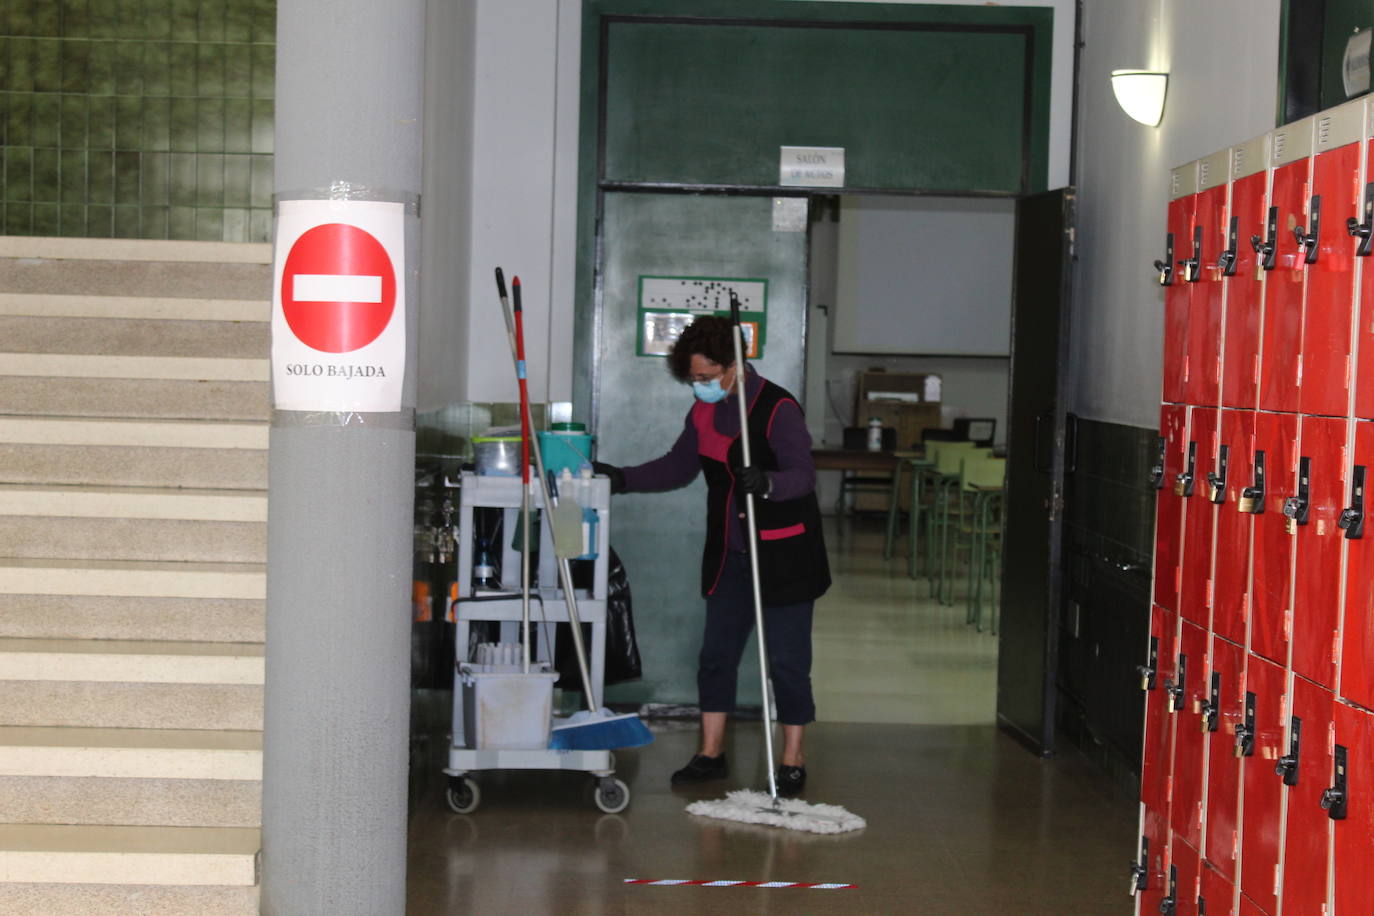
709	392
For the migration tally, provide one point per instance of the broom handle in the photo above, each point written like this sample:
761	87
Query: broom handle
515	331
524	479
740	394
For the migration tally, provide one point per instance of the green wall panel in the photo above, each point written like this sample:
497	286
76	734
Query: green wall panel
915	107
1342	17
137	118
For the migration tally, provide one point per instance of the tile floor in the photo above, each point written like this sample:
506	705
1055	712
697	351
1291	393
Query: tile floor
961	820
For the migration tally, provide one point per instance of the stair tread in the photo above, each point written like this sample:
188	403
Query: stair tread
99	838
89	501
132	647
197	433
139	738
63	248
193	308
155	566
165	368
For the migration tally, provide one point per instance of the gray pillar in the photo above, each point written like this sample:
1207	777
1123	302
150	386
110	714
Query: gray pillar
349	89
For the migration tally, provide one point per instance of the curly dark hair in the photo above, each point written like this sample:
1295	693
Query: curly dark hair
711	336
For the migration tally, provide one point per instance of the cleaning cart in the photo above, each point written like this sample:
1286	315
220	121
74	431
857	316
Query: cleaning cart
480	743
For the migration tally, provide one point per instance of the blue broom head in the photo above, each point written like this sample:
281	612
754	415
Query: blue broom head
602	731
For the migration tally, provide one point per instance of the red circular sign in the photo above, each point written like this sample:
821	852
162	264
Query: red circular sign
338	288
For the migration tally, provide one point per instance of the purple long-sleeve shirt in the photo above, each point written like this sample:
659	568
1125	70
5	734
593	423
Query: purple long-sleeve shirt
788	438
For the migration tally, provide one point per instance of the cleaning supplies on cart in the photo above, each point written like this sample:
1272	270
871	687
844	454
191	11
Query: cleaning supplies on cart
505	708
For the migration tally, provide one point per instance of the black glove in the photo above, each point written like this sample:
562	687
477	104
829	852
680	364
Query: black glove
616	475
752	480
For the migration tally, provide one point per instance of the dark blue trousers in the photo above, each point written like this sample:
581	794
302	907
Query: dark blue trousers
729	621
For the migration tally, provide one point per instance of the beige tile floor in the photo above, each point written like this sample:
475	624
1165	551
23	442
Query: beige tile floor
961	820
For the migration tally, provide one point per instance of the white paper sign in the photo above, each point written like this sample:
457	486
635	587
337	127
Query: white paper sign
339	306
811	166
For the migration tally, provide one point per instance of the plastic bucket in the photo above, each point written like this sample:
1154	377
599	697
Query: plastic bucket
568	450
497	456
504	709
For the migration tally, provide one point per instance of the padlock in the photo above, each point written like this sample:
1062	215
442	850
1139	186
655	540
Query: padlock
1179	486
1245	504
1290	525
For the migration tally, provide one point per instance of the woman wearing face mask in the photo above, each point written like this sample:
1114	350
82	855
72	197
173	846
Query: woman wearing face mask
793	568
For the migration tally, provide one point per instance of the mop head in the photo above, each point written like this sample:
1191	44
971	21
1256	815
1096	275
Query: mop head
750	807
602	731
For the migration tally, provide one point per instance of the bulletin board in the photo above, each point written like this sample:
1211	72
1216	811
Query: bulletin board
669	304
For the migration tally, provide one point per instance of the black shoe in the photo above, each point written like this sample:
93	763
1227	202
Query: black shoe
701	769
791	780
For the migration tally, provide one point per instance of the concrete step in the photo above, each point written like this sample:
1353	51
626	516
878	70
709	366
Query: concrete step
134	502
133	579
55	854
133	466
132	539
129	661
95	704
126	900
227	339
135	398
130	802
133	433
136	617
163	308
126	753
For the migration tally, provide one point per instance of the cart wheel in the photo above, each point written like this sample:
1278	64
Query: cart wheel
612	795
463	795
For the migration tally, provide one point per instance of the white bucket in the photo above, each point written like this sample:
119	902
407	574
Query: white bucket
505	709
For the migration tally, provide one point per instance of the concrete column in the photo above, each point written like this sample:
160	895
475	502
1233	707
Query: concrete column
348	113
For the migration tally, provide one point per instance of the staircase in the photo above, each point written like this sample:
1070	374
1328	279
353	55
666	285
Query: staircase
133	508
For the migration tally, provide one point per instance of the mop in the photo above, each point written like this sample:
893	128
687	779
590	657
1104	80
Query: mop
592	729
748	805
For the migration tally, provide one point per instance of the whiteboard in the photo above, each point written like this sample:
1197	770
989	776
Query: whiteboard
924	275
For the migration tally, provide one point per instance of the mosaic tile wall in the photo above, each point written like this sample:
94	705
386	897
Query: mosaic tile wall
137	118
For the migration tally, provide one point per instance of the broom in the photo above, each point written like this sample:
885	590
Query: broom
592	729
747	805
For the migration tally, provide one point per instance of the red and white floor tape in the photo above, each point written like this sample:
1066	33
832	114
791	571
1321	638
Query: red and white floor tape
687	882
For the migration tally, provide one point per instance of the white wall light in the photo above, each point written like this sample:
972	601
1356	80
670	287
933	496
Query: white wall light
1140	93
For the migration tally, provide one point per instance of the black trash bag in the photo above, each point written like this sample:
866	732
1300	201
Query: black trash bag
622	650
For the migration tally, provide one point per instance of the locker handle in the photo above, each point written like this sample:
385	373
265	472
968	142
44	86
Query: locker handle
1140	870
1165	268
1183	483
1364	231
1227	259
1216	481
1192	267
1287	765
1157	472
1352	516
1295	508
1252	497
1245	731
1169	905
1268	246
1211	707
1308	239
1334	797
1148	671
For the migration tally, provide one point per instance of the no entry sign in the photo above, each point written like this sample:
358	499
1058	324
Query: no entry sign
338	315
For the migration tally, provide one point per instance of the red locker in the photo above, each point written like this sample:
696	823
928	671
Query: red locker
1225	713
1357	638
1248	907
1280	250
1209	240
1174	273
1169	464
1189	747
1349	803
1305	768
1275	470
1216	893
1330	307
1158	678
1364	333
1312	513
1261	743
1199	516
1231	566
1185	872
1244	279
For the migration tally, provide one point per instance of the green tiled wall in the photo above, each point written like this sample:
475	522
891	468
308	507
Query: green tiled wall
137	118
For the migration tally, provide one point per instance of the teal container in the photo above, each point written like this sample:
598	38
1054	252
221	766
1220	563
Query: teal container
570	450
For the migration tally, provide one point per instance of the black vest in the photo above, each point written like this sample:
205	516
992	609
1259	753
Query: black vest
793	566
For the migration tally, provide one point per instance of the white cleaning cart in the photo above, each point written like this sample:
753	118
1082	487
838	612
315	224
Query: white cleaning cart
466	755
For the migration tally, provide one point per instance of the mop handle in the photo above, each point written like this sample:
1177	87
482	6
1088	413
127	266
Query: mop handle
524	476
740	394
515	330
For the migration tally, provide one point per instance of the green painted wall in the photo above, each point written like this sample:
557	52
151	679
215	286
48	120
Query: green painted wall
137	118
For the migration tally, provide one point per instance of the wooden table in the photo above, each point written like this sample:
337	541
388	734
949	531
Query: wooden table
855	462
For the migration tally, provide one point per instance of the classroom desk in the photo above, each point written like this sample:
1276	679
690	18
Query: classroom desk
853	462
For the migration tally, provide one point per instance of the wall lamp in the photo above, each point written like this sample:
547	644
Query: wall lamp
1140	93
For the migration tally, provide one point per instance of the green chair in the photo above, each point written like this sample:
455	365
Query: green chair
925	475
946	507
982	486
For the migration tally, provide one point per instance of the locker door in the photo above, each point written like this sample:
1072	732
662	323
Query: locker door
1364	333
1248	908
1205	296
1351	809
1216	893
1244	278
1199	516
1231	567
1226	713
1306	772
1189	746
1329	310
1157	678
1281	341
1357	637
1262	743
1276	442
1317	503
1169	464
1184	878
1174	274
